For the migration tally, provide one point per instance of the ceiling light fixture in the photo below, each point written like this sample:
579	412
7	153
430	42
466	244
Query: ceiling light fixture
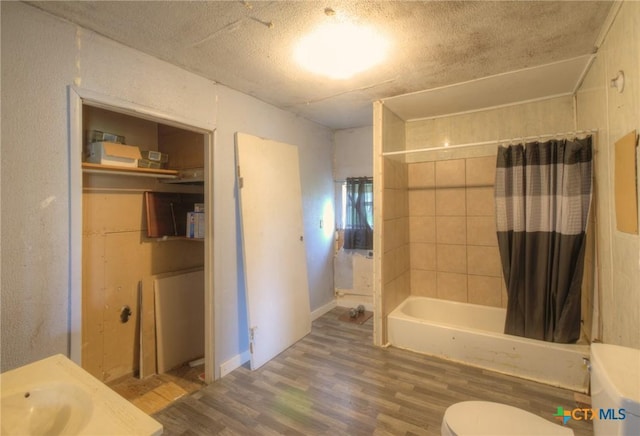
341	49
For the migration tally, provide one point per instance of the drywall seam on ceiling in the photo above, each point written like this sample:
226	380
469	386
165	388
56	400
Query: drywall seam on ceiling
362	88
230	27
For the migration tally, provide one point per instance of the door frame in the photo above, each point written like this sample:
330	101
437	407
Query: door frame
77	98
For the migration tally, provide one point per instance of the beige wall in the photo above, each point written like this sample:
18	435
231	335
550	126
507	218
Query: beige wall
526	119
614	114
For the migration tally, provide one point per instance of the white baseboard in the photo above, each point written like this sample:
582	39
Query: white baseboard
233	363
239	359
322	310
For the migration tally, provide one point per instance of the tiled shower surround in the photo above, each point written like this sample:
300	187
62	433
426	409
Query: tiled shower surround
440	231
395	262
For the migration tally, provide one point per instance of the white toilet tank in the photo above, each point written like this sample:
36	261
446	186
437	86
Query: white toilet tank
615	389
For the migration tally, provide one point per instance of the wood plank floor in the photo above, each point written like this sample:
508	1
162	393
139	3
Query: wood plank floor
335	382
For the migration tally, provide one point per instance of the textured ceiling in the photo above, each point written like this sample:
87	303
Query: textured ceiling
248	46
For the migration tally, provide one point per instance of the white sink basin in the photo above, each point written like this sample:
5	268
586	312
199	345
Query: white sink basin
48	409
54	396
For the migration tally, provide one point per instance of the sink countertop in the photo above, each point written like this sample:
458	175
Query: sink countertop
109	413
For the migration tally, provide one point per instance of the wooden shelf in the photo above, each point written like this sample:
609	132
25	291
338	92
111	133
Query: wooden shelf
173	238
93	168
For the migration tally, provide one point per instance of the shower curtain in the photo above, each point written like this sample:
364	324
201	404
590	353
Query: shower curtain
542	200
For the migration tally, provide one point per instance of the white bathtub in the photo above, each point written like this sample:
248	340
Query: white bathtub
473	335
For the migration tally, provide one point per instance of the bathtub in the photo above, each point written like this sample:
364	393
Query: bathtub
473	335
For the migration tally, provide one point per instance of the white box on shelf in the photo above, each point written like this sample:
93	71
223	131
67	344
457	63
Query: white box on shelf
191	225
112	154
195	225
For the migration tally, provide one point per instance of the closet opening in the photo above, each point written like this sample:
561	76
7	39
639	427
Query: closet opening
141	291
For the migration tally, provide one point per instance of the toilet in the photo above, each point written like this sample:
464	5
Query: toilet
615	386
495	419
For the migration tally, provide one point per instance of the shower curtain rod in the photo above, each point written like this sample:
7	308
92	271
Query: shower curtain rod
499	141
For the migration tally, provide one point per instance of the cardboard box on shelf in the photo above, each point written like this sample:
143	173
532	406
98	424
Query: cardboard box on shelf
100	136
112	154
155	156
146	163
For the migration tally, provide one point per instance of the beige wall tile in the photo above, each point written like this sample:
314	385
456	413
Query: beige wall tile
395	174
484	261
451	258
452	286
387	173
422	202
485	290
396	292
481	230
480	202
390	174
396	233
423	256
389	211
422	229
395	263
387	267
423	283
421	175
450	173
450	202
451	230
396	203
481	171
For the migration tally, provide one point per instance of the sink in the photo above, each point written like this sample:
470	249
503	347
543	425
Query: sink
54	396
49	409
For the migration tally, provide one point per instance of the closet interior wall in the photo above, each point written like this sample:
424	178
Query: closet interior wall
119	261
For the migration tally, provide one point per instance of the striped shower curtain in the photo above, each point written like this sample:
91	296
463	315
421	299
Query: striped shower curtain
542	200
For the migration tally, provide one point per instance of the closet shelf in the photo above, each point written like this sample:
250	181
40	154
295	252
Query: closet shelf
92	168
173	238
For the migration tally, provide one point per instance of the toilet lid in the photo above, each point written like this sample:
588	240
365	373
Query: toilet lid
487	418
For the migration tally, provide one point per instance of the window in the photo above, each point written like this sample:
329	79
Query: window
358	210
